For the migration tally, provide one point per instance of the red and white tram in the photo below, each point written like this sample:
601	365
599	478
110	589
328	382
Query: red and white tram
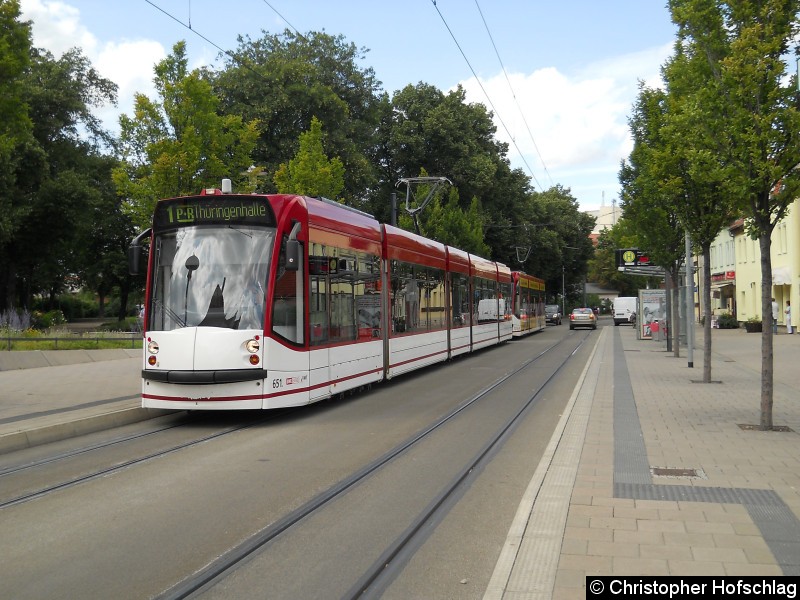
528	315
265	301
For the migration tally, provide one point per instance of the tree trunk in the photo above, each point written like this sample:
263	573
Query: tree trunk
124	290
767	371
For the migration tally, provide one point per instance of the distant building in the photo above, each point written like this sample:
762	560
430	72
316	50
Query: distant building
605	218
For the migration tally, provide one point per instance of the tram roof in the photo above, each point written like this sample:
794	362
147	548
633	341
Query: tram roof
410	247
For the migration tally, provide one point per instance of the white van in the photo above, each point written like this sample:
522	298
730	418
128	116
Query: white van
624	307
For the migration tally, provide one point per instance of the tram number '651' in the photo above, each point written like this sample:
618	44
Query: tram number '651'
279	383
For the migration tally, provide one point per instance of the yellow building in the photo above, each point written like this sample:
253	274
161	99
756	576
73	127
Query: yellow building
785	255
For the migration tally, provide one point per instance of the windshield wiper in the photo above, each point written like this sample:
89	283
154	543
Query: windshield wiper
171	313
240	231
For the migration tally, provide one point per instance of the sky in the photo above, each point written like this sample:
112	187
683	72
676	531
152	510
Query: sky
560	77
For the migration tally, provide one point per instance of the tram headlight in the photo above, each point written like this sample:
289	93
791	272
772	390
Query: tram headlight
152	347
252	346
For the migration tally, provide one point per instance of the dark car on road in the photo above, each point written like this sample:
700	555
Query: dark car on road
582	317
553	313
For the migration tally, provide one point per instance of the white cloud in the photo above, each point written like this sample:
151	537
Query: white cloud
579	122
128	63
57	27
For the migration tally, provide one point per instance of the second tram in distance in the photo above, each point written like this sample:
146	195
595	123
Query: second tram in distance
266	301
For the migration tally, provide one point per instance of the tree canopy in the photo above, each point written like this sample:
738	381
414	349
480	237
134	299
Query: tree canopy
311	173
180	143
288	111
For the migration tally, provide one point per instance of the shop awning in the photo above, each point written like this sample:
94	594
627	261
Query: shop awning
781	276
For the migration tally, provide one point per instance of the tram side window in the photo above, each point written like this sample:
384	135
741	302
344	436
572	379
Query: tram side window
522	301
344	296
318	295
459	299
417	298
398	273
287	301
485	297
505	306
420	281
435	301
368	295
342	273
406	295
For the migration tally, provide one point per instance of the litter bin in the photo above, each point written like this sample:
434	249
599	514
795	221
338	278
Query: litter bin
655	329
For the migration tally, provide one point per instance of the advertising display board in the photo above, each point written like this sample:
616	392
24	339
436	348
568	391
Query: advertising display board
652	317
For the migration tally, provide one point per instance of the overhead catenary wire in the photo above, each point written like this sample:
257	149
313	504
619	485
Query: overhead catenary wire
284	19
228	53
485	93
513	94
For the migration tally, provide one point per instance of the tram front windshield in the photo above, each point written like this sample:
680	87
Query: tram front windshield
210	276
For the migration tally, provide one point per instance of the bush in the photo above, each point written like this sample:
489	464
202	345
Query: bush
73	306
49	319
727	321
128	324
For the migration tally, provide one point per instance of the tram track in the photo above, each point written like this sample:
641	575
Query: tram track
20	470
395	554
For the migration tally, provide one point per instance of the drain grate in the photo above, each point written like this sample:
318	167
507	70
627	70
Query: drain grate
776	428
673	472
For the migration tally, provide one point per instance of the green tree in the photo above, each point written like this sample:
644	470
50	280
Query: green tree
311	173
651	189
695	162
180	144
745	45
284	80
103	236
551	225
15	136
443	135
53	173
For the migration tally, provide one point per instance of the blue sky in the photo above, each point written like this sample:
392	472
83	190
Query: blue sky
573	65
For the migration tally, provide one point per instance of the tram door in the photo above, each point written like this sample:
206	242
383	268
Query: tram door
319	324
289	362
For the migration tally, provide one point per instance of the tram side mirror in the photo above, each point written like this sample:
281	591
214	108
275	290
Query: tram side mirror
135	253
292	262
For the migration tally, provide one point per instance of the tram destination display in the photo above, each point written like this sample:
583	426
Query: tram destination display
211	210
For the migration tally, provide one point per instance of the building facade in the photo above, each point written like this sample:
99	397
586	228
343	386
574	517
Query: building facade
736	270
